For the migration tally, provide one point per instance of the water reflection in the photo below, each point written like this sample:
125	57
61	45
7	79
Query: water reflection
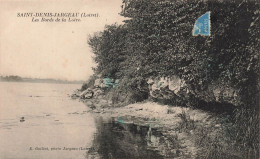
118	140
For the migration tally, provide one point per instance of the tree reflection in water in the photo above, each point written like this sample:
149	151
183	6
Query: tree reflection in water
118	140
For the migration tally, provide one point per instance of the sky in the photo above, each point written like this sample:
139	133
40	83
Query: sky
57	50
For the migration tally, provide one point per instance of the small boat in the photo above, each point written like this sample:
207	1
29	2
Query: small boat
22	119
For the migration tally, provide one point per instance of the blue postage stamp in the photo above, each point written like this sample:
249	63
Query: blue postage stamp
202	25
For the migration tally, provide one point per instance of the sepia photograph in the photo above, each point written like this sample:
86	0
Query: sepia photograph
129	79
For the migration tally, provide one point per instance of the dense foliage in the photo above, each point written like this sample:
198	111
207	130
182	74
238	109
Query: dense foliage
156	41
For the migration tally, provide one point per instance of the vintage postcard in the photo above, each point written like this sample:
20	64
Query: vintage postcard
129	79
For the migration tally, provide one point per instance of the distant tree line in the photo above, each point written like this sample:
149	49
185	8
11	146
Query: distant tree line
10	78
15	78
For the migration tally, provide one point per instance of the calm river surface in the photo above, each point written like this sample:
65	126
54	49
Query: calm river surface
51	120
40	121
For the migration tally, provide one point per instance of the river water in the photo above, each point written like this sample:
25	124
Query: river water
40	121
51	120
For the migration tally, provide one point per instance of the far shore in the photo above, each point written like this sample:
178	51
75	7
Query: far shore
43	81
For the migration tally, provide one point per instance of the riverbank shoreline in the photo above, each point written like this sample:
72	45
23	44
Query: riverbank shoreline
181	126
